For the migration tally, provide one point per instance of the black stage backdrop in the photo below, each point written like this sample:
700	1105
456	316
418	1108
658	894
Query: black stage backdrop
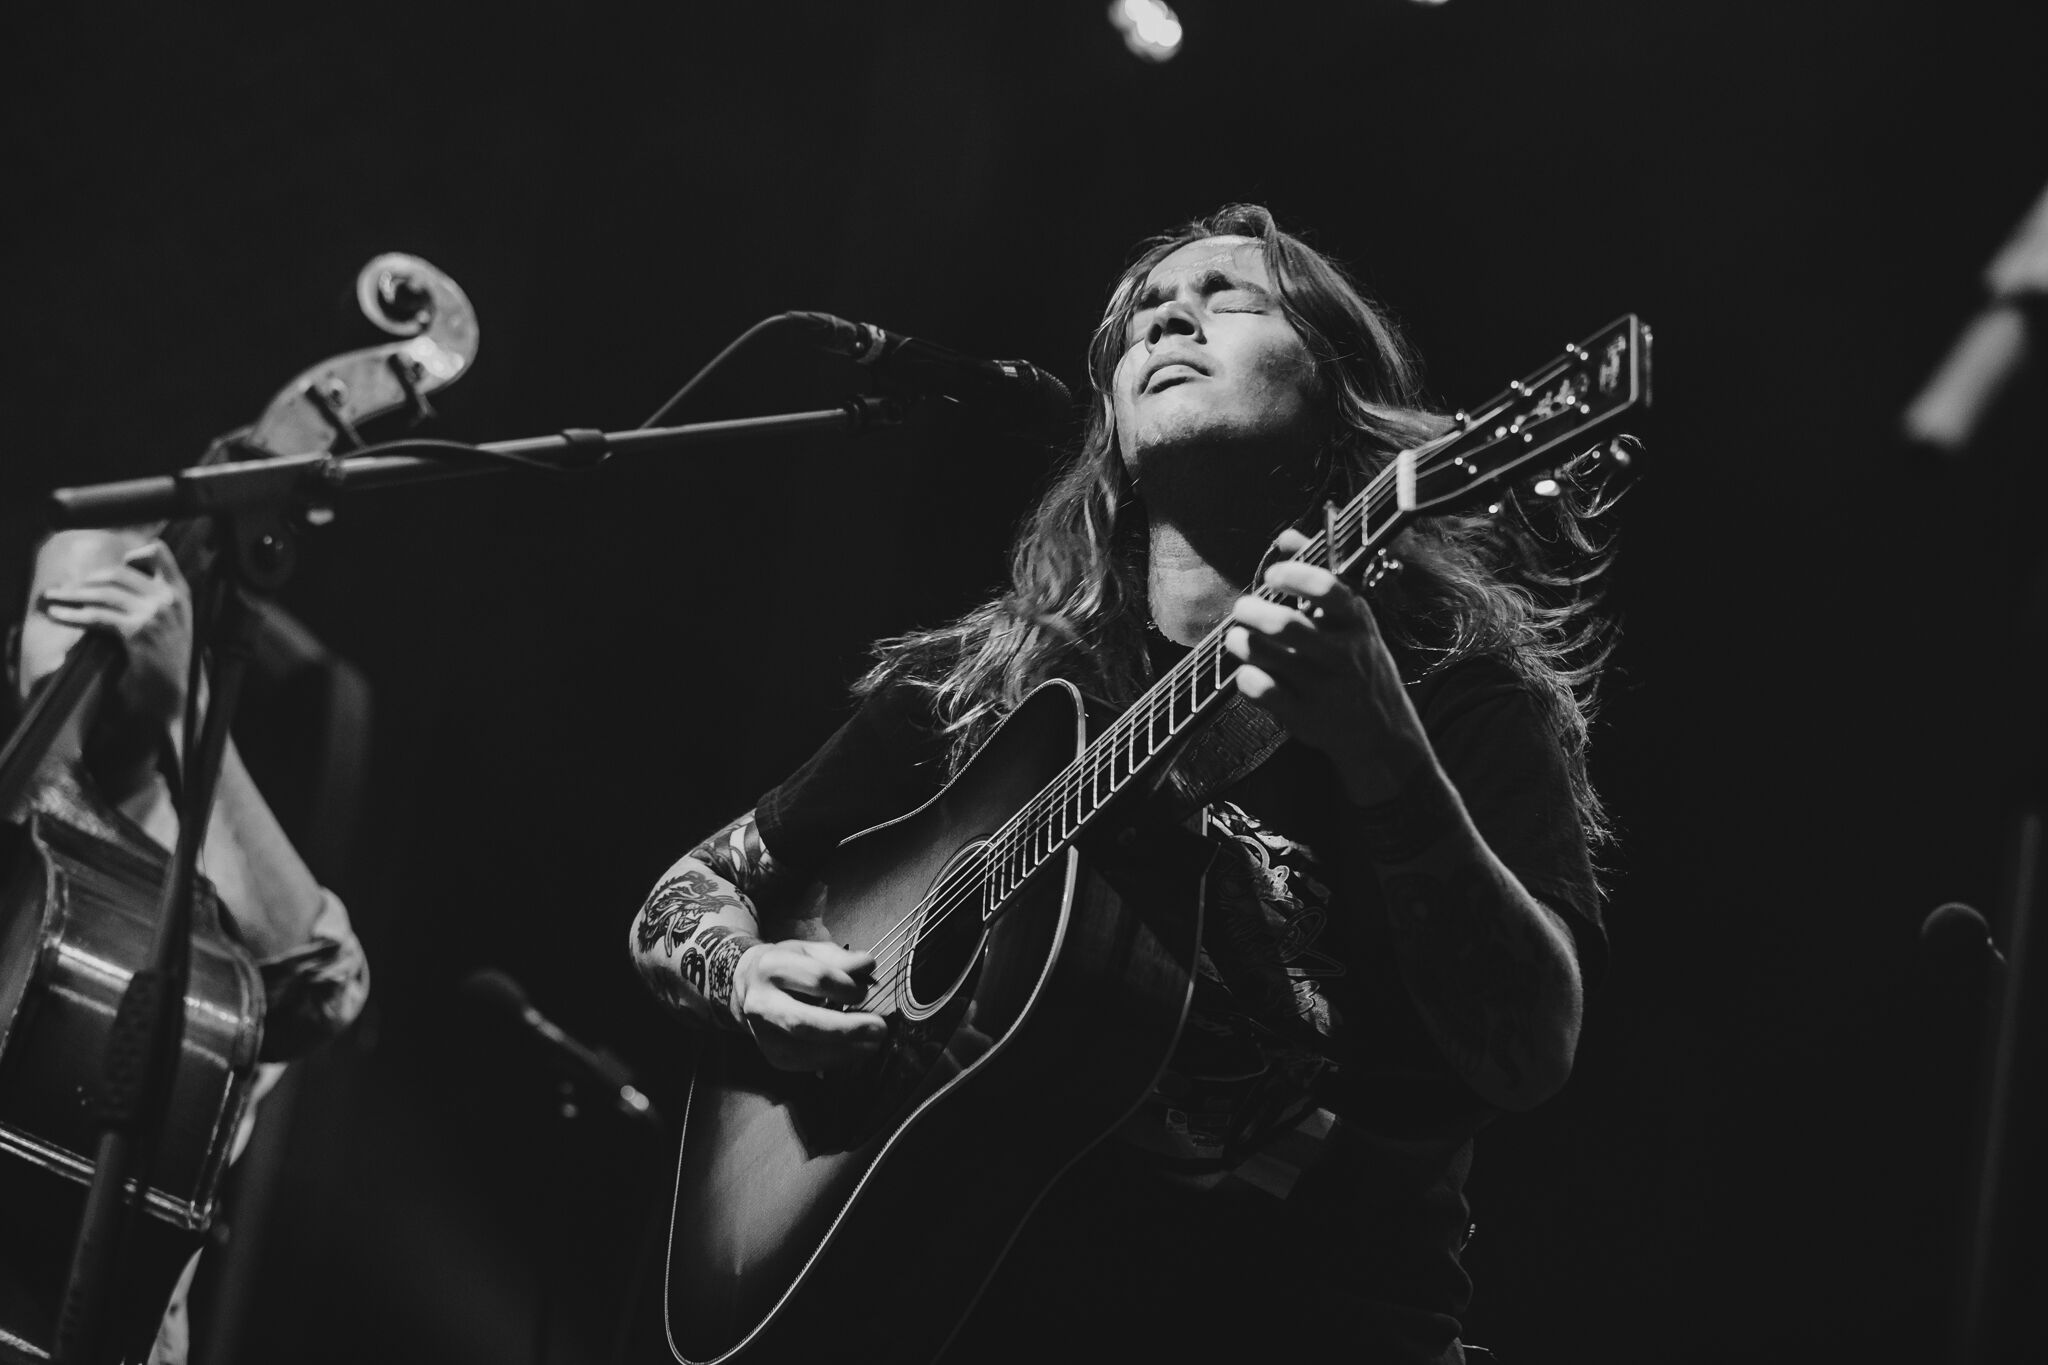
1810	727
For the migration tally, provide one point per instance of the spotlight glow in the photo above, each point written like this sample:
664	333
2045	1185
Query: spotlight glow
1150	28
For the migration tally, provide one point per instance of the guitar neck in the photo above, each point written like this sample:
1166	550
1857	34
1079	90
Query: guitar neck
1155	725
1594	382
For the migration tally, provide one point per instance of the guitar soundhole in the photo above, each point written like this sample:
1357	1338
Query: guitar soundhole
948	942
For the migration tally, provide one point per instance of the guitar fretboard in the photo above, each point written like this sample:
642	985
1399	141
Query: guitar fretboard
1593	382
1183	696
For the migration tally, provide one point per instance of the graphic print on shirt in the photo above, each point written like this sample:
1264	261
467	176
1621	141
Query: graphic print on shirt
1268	907
1243	1065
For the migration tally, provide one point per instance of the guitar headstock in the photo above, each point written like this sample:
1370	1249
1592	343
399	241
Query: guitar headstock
1512	439
1593	382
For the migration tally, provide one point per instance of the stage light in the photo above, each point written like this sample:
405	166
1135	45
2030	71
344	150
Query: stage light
1150	29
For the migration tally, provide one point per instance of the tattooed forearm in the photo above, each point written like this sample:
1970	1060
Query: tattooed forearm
688	938
1490	970
737	854
719	950
678	906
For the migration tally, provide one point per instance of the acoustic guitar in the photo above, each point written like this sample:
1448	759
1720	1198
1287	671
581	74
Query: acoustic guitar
1034	950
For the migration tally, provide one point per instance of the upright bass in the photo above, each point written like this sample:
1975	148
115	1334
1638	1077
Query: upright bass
79	889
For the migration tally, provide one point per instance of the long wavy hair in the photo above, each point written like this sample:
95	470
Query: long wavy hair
1521	585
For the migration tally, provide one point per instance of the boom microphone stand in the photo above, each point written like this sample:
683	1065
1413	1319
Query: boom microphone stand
312	481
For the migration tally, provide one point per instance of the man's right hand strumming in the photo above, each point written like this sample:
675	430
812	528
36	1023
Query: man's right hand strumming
697	943
794	998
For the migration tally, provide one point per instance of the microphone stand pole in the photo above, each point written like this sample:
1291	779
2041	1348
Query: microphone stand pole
261	503
2002	346
2010	1179
142	1045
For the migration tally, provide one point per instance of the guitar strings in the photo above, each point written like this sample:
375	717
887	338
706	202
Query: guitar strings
1084	777
895	950
1099	760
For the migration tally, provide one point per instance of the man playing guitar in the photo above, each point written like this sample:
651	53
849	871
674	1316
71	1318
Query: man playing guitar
1401	914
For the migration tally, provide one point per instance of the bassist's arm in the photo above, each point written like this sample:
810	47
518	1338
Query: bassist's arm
698	944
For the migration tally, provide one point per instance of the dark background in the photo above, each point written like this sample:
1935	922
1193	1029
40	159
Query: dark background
1811	730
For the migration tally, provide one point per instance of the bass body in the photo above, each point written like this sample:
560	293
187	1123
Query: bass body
858	1216
78	894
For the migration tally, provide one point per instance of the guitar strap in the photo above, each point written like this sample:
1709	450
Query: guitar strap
1280	1135
1223	751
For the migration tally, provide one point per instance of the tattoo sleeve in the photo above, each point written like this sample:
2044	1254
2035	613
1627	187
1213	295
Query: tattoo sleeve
676	910
737	854
700	919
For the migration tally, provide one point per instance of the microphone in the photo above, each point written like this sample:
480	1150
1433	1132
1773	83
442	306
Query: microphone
1994	345
1015	392
578	1062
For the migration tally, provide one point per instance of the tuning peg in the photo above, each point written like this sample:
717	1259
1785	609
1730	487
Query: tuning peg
1546	488
1383	563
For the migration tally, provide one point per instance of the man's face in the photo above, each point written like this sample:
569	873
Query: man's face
1211	359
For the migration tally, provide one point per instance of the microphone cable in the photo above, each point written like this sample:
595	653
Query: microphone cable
717	362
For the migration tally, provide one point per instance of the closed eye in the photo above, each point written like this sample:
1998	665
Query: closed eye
1220	293
1233	296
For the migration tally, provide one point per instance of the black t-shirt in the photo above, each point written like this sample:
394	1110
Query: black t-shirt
1298	969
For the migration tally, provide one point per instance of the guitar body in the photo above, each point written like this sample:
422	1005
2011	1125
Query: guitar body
858	1216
